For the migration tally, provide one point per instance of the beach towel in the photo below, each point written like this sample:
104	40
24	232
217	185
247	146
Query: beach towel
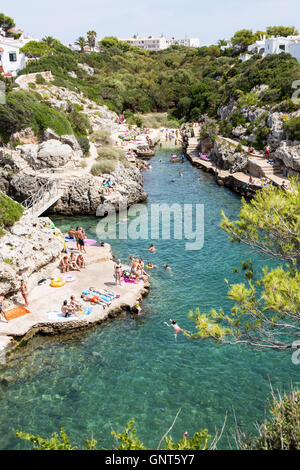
58	316
17	312
85	310
106	298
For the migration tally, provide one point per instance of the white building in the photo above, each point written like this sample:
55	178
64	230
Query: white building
148	44
275	45
11	59
188	42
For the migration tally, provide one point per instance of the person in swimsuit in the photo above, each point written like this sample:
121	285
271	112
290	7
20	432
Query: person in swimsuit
24	292
2	312
72	262
95	299
64	264
75	303
152	249
118	272
133	268
81	236
81	263
68	309
175	326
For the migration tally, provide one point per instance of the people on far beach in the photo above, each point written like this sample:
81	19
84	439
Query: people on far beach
2	308
24	292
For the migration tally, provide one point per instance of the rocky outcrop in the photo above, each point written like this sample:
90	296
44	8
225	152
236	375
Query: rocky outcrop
87	69
225	111
87	195
226	157
51	154
28	251
289	155
26	136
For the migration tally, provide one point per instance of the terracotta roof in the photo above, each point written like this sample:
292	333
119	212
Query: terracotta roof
1	49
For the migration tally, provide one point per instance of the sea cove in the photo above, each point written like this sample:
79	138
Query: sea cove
132	367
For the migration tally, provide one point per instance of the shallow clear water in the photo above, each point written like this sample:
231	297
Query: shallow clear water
96	380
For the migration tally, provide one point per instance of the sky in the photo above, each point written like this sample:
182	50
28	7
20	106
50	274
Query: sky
207	20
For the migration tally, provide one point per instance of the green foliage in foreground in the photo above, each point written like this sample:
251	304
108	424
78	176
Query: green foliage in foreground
266	312
10	212
183	81
126	440
282	431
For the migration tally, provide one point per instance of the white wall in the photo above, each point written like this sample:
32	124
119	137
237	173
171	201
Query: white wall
295	50
9	65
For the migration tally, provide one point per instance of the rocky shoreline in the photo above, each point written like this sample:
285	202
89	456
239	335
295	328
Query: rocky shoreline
45	299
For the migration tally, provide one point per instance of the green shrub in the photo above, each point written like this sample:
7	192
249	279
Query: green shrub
282	430
80	122
84	144
110	153
10	212
24	109
105	166
292	126
101	137
40	79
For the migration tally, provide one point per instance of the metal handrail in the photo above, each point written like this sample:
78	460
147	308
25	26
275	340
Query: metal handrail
43	195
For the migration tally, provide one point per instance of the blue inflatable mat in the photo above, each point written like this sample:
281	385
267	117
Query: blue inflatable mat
86	311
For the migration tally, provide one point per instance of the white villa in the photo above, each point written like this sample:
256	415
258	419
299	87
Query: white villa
11	59
160	43
148	44
275	45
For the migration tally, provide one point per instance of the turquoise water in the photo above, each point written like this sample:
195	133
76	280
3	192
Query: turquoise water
96	380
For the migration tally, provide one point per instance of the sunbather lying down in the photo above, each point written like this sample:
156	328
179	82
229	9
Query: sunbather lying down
109	293
95	299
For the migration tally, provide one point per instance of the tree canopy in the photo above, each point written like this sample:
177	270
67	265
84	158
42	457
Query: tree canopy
282	31
6	23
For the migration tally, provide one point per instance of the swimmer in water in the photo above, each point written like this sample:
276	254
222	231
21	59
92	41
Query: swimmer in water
167	267
152	249
176	327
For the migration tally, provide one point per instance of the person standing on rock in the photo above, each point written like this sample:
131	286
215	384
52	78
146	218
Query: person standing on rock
24	292
118	272
81	235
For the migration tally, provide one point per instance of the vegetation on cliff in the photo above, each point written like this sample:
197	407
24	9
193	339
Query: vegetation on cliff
10	212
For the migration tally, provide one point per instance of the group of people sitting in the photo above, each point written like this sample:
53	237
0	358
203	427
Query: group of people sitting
72	263
136	273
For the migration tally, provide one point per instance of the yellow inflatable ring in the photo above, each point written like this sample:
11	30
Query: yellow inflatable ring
149	267
57	282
